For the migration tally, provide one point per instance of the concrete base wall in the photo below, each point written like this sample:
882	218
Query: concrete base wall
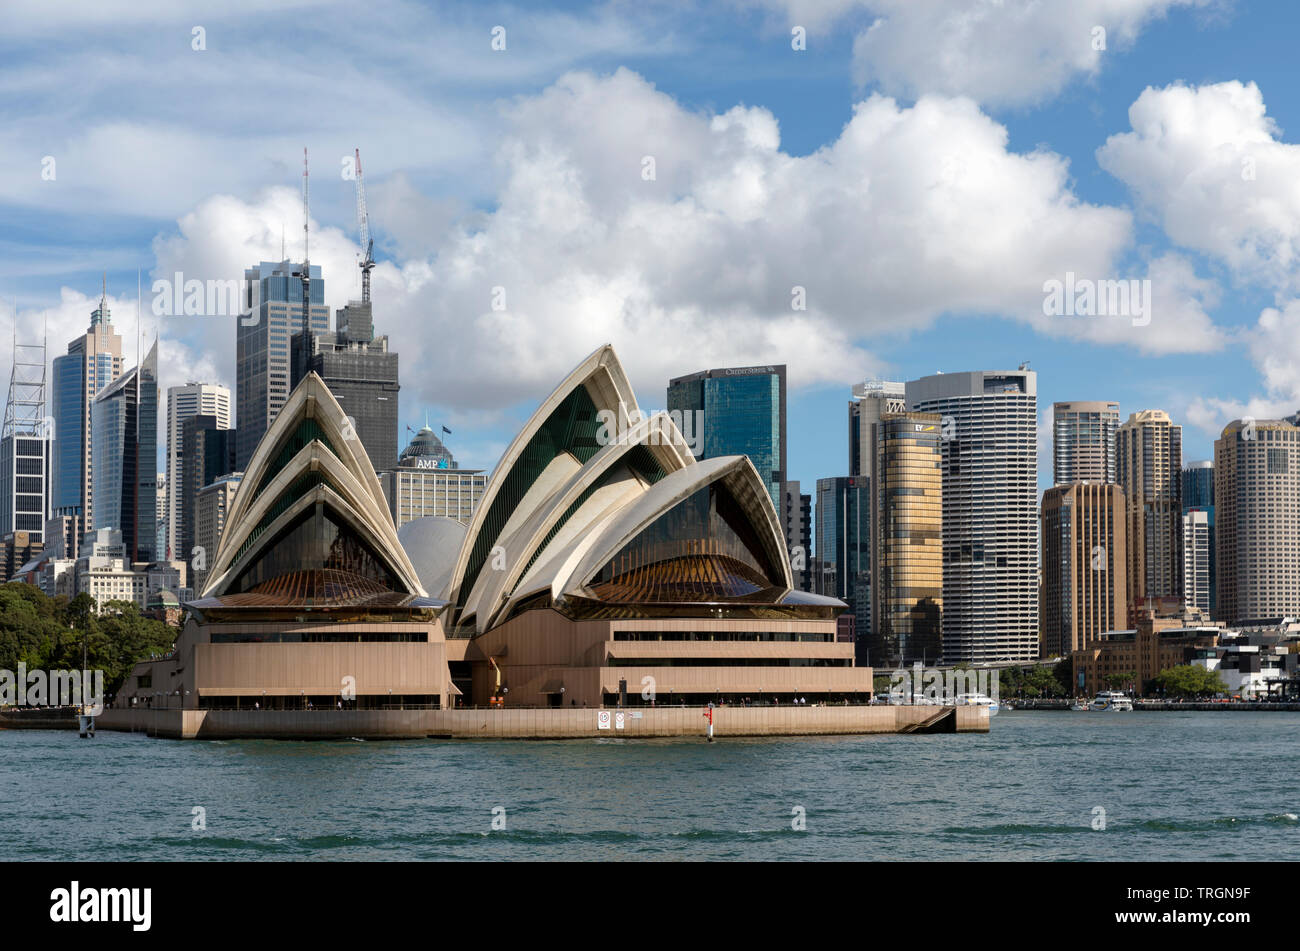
510	724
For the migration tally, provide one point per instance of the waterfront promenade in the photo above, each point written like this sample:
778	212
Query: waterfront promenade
544	723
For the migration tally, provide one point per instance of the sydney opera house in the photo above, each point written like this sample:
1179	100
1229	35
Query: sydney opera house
603	566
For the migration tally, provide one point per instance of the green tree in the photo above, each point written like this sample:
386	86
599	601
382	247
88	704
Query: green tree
29	626
49	633
1189	680
1121	681
1032	682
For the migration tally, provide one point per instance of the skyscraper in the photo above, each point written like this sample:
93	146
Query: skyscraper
1257	509
796	514
1149	454
208	452
25	447
262	344
191	399
872	400
990	513
161	495
1198	495
743	412
93	361
210	508
842	568
1198	561
1198	485
124	452
361	372
1083	442
1084	565
907	558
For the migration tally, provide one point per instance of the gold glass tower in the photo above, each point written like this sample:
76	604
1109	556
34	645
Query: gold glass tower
909	539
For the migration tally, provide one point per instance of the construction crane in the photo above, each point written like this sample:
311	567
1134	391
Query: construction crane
306	247
367	242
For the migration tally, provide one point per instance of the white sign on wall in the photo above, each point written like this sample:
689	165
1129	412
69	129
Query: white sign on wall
618	720
602	720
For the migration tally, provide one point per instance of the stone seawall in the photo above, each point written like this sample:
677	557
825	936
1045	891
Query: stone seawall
510	724
38	718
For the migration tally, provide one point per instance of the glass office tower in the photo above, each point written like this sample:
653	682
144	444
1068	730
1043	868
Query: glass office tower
124	450
842	568
262	340
907	558
742	412
93	361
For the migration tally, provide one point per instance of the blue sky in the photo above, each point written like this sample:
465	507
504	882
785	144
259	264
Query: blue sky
921	168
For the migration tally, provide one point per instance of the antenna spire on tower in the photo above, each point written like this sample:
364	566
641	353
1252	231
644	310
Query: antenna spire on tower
306	209
306	264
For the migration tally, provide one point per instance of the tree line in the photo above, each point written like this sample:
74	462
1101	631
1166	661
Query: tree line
47	633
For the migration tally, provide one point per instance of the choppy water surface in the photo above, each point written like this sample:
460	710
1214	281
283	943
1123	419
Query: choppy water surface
1172	785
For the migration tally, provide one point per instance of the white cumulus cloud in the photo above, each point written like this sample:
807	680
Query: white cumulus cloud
999	52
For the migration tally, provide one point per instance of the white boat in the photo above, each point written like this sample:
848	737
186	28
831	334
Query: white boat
976	700
1080	707
1111	701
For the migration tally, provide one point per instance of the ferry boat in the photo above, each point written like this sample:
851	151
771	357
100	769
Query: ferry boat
1111	701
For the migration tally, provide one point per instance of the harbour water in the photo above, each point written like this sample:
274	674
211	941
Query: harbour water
1171	786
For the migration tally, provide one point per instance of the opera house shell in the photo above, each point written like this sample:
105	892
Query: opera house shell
311	601
603	565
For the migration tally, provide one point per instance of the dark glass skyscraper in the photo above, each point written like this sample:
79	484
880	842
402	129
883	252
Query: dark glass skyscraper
1198	485
124	450
743	414
843	548
207	452
361	372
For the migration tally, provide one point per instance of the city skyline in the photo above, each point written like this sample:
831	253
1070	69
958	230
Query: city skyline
797	462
